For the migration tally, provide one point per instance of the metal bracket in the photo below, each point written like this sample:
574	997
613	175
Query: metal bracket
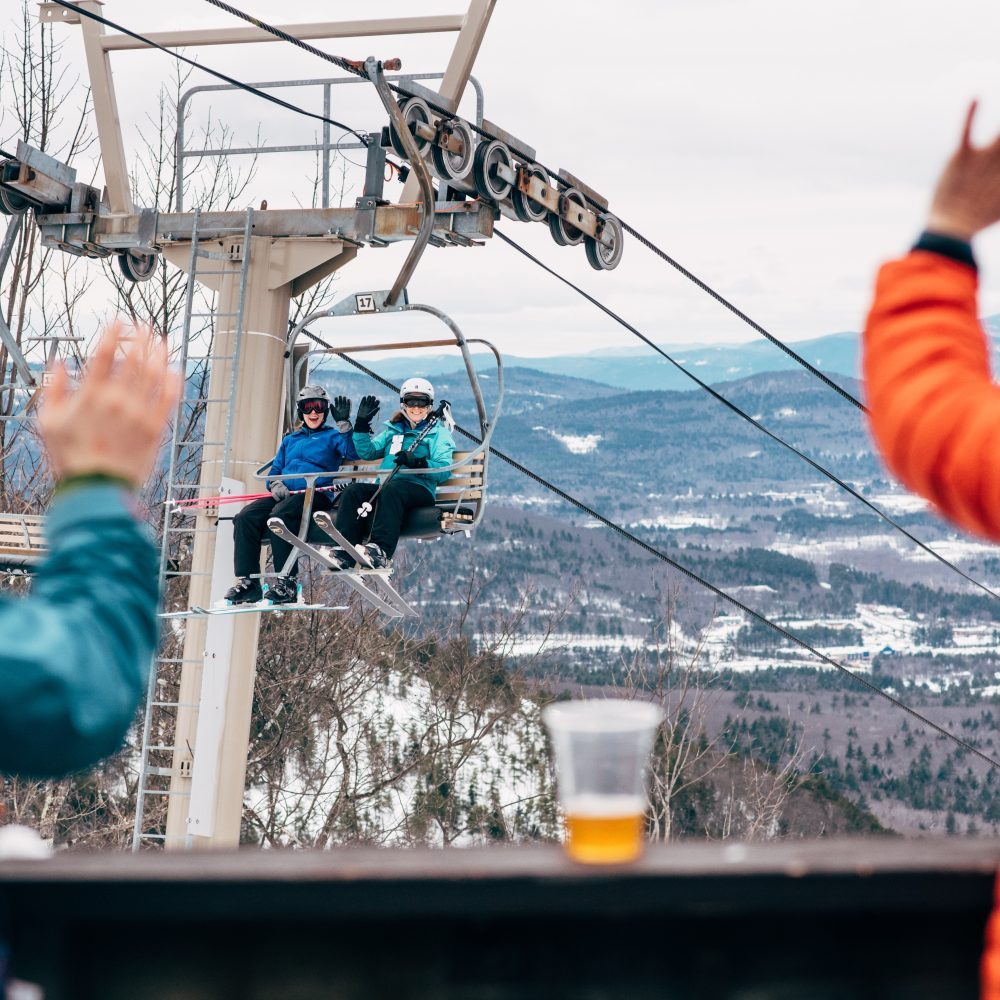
373	69
57	12
365	303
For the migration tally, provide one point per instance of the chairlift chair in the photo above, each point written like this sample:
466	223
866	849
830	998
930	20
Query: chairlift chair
460	501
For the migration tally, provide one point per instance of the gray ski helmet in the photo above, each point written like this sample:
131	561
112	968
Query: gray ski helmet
313	392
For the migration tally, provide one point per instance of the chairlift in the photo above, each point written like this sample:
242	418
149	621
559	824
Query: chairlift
460	501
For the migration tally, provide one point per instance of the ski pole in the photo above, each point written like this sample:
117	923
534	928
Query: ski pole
369	505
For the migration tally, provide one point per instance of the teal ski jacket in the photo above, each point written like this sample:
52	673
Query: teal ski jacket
438	448
75	653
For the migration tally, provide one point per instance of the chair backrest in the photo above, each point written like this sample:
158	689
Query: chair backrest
22	542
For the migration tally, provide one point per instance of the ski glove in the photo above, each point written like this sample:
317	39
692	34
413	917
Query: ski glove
341	409
367	409
406	458
279	491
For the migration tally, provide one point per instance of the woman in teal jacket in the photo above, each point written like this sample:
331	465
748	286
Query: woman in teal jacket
396	446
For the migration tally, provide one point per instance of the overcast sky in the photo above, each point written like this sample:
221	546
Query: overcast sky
778	149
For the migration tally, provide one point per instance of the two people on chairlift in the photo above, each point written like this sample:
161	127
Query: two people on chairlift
398	446
315	446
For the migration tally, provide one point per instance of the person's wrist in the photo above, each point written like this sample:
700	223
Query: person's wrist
78	480
950	224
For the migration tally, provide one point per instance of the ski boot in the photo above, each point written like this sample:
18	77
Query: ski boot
376	555
283	591
340	558
246	591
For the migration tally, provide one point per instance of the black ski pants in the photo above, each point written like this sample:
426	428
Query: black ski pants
384	524
250	527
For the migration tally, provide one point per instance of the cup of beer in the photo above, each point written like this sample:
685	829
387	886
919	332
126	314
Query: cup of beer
601	748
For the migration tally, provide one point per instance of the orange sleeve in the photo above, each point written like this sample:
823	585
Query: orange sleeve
935	411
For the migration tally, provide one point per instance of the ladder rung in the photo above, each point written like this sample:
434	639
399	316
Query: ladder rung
157	747
213	315
184	444
198	402
174	704
180	659
191	531
163	791
188	572
158	772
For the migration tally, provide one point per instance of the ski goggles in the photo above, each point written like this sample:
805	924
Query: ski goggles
313	406
421	402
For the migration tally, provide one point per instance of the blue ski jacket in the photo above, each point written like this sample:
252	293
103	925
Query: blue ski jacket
438	448
75	653
321	450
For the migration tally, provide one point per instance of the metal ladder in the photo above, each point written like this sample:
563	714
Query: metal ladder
162	697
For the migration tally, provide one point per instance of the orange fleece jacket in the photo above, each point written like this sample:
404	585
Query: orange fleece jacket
935	411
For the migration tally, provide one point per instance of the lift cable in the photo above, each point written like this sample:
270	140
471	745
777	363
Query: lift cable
690	574
839	389
362	137
355	68
749	419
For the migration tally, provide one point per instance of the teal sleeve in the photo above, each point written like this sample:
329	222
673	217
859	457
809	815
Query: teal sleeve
442	451
370	446
75	653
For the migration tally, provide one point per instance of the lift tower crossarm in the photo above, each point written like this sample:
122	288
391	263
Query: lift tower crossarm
244	36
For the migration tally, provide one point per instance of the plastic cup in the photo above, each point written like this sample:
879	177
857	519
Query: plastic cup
601	749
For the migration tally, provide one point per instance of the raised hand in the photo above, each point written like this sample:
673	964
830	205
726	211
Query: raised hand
341	409
367	409
967	197
112	423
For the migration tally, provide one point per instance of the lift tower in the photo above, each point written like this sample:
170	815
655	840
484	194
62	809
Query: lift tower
255	262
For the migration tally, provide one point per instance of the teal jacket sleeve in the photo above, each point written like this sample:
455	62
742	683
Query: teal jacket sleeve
75	653
442	449
369	446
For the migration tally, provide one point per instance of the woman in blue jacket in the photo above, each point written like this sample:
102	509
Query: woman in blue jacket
313	447
395	446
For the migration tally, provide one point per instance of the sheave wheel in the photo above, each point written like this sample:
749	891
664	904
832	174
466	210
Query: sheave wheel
525	208
606	257
450	166
489	157
11	203
563	232
414	110
136	265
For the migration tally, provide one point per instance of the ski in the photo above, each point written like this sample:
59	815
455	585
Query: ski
353	578
262	607
381	576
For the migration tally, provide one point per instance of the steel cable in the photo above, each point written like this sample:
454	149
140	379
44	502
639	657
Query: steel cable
363	137
346	64
749	419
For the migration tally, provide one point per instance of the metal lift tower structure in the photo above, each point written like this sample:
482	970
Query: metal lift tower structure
255	262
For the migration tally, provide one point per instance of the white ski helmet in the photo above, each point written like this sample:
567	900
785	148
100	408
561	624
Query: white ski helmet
416	387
